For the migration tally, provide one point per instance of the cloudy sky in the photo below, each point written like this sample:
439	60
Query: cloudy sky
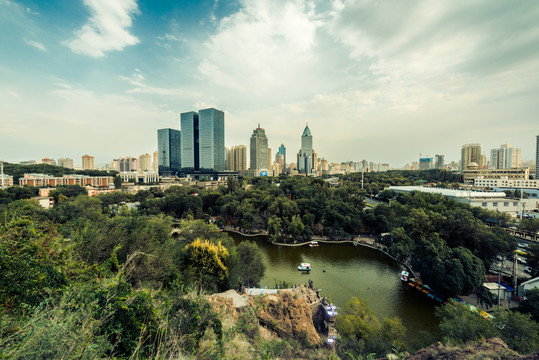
376	80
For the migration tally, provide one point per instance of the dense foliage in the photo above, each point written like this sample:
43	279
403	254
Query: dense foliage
18	171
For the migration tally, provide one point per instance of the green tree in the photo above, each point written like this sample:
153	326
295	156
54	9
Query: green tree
274	228
296	227
206	263
250	265
118	182
518	330
459	325
362	331
531	303
67	191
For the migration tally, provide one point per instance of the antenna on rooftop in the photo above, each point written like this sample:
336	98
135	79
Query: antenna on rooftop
2	172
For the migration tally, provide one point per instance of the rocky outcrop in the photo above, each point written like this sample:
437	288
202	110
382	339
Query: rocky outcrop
287	313
494	348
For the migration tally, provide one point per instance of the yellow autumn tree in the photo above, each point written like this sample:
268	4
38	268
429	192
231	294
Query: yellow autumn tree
206	264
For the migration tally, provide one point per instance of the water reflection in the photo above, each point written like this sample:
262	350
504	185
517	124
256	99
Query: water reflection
350	271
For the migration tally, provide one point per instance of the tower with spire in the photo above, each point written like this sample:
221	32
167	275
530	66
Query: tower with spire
305	156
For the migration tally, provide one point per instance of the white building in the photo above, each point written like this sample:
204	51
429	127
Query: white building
528	285
139	177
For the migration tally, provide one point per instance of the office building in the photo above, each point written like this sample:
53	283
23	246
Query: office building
505	157
229	159
282	151
144	162
66	162
426	163
259	150
127	164
473	173
270	160
279	159
48	161
203	140
155	161
537	158
305	156
169	144
470	153
439	162
39	180
239	158
88	162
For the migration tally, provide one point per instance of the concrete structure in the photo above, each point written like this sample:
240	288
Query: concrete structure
144	162
537	158
6	180
426	163
258	150
155	161
66	162
439	162
88	162
470	175
145	177
305	155
169	143
505	157
39	180
239	158
48	161
45	201
513	184
528	285
470	153
495	201
127	164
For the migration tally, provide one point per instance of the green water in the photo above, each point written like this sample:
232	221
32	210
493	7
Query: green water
350	271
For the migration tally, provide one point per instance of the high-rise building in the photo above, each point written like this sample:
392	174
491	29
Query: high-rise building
270	160
470	153
305	158
426	163
127	164
259	150
48	161
282	151
229	159
169	145
439	162
145	162
537	158
505	157
155	162
66	162
88	162
279	158
203	140
239	158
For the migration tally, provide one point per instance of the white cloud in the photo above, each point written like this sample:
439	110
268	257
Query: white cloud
14	94
36	44
107	28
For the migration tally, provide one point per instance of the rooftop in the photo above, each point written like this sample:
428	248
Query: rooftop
454	193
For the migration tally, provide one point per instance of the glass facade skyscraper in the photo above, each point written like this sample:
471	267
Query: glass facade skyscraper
169	151
282	151
203	140
190	143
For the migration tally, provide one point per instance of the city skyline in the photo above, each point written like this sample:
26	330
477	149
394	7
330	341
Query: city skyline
422	77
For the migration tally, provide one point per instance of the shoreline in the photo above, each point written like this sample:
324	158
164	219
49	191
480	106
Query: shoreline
357	241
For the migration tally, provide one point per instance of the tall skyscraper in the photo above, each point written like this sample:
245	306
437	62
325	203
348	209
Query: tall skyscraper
537	158
439	162
203	140
425	163
470	153
505	157
229	159
259	150
305	158
190	141
239	155
169	147
88	162
282	151
155	161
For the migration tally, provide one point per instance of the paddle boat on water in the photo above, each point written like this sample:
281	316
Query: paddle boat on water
313	244
404	275
304	267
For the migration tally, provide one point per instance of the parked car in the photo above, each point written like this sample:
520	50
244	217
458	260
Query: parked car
528	269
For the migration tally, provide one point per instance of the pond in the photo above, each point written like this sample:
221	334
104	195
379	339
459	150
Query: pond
350	271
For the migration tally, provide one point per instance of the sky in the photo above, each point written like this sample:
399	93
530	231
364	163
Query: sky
383	81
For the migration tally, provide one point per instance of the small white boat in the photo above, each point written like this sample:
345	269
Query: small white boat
304	267
404	275
313	244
